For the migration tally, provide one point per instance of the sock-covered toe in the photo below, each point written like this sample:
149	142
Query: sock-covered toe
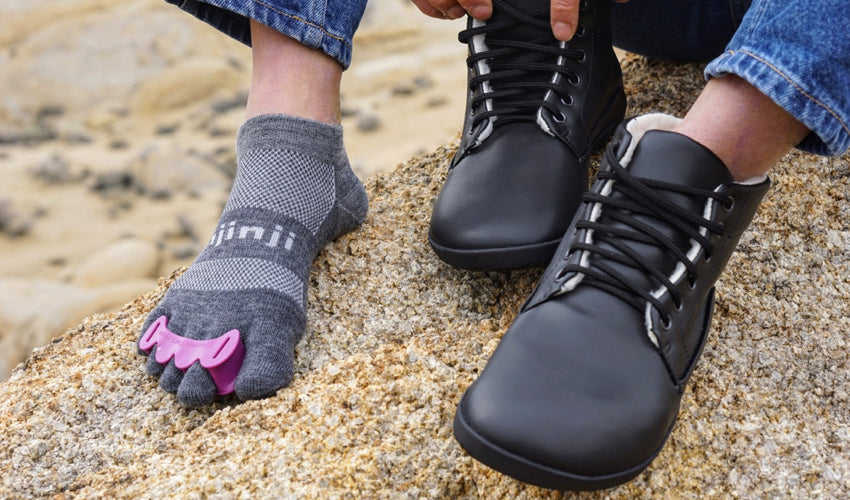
268	361
152	367
170	378
197	387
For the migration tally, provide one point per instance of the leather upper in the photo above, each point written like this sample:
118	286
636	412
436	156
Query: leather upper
584	382
504	195
517	179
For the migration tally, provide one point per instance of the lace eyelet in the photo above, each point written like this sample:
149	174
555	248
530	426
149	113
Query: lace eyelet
569	101
580	30
560	117
729	204
583	5
574	80
666	322
582	57
678	307
561	274
692	282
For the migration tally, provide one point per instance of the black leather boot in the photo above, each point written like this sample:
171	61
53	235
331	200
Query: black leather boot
585	386
536	109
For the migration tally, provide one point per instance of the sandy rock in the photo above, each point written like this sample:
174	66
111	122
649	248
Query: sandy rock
161	172
55	170
185	84
32	312
13	222
127	259
394	338
90	56
368	122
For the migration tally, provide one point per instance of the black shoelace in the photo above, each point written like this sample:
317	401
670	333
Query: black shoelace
639	197
520	70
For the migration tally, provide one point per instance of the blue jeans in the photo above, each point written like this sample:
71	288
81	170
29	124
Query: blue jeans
327	25
797	52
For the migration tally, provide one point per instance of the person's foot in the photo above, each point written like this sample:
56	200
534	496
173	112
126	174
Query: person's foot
294	191
585	386
536	110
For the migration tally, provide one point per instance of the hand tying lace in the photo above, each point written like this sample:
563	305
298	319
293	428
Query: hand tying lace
515	64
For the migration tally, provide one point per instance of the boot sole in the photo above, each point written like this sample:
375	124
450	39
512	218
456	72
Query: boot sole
496	259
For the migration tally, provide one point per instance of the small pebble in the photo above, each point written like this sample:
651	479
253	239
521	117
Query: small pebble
367	122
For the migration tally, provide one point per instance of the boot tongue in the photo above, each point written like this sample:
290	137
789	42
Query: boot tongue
675	159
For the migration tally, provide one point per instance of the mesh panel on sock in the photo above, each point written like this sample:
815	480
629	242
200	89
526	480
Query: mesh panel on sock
235	274
276	176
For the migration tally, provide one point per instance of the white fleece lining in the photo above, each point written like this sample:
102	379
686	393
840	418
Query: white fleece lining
479	46
555	78
678	272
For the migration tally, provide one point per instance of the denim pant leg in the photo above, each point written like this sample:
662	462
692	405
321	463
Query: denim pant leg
327	25
797	52
678	30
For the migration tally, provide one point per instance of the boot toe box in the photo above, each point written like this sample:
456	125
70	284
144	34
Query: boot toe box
568	408
510	201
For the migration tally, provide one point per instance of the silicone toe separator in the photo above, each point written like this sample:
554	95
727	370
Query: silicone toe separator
222	356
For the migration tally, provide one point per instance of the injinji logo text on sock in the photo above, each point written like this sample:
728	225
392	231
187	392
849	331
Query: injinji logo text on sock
235	230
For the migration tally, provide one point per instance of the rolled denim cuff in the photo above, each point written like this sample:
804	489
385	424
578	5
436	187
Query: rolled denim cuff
317	25
830	135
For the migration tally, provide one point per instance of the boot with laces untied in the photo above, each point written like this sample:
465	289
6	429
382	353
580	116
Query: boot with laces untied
536	110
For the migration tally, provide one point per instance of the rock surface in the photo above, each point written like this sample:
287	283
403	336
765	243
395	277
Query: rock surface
394	338
32	311
118	120
127	259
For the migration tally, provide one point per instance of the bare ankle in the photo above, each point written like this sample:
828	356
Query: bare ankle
742	126
290	78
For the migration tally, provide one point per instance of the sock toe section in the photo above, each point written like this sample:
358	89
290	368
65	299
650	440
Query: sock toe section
265	370
197	387
170	378
259	386
151	366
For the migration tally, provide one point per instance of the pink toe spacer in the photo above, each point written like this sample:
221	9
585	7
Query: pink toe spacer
222	356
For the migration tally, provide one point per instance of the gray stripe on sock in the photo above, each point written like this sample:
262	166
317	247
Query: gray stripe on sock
285	182
228	275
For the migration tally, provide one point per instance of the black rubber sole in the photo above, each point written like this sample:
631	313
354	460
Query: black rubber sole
528	471
496	259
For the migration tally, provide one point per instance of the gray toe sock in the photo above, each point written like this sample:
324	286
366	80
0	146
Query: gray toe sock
294	191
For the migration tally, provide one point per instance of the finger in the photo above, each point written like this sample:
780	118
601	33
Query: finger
426	8
478	9
565	18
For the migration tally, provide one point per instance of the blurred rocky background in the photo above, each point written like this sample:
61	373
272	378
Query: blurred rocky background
117	124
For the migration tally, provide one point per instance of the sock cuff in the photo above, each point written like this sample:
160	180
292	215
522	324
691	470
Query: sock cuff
319	140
